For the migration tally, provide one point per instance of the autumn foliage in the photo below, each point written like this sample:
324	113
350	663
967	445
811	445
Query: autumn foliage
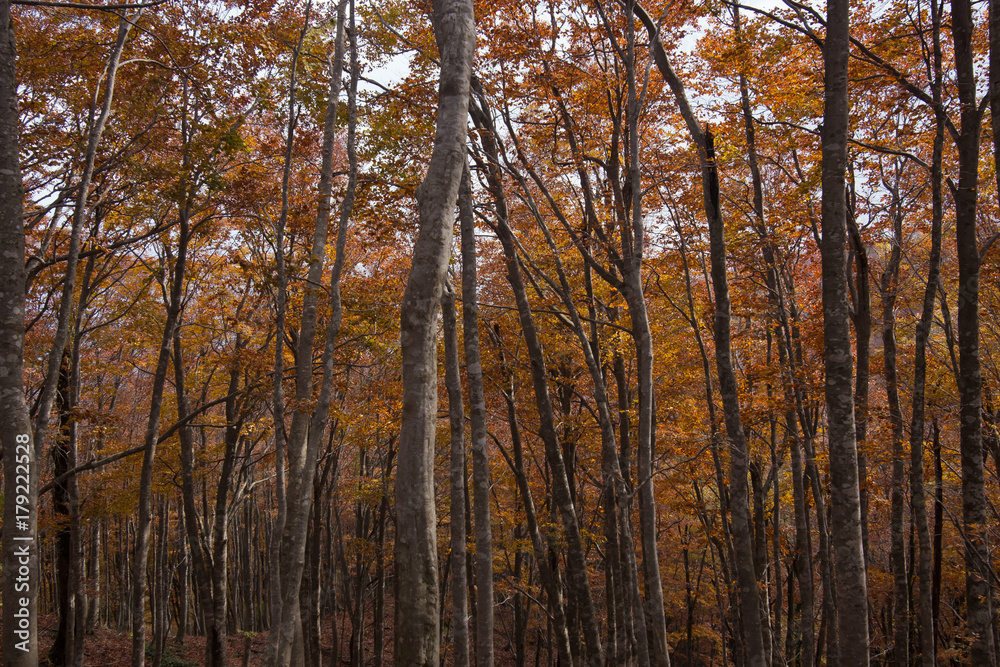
648	247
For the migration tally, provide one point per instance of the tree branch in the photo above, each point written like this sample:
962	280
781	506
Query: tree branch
83	5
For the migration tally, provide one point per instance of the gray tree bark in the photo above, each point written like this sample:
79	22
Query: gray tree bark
483	573
728	388
280	307
845	496
417	636
309	425
20	550
145	516
456	414
633	252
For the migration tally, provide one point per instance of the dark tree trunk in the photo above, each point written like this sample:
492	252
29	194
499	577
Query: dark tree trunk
750	611
918	502
975	521
890	288
845	498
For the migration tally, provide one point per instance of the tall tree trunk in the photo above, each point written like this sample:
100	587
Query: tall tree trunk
978	564
477	408
862	317
577	575
938	521
456	412
61	652
728	388
417	636
281	300
145	516
753	630
845	496
890	288
309	425
561	491
632	255
803	551
918	502
20	519
771	643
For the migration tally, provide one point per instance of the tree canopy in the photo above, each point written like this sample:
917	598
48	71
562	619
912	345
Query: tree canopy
604	333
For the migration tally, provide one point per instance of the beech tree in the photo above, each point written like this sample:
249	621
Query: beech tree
845	495
20	556
417	637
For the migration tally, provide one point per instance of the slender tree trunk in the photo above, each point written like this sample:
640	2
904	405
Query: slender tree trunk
480	453
96	124
309	426
918	503
633	252
63	651
862	317
456	411
275	591
77	563
550	579
417	635
144	518
803	553
845	498
728	388
938	521
577	573
62	647
771	642
729	391
890	289
93	611
643	339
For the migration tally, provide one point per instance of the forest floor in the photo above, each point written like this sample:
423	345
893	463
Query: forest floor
107	648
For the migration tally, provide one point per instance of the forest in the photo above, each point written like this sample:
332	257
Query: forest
453	332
